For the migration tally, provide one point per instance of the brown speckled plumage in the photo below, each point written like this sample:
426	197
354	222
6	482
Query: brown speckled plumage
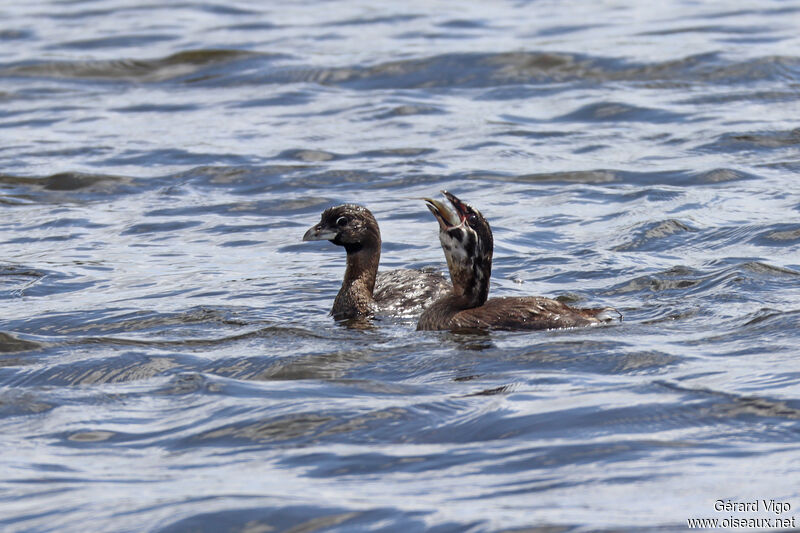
365	291
507	313
467	243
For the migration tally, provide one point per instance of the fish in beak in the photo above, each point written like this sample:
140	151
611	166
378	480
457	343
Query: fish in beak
447	218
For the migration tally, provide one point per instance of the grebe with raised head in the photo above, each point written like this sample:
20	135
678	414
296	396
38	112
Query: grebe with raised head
468	244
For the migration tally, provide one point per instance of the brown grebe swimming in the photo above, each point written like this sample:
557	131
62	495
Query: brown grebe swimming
365	291
468	245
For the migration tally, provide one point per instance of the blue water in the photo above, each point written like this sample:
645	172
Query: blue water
166	359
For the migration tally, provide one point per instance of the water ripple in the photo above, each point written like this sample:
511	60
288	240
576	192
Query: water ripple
167	359
180	65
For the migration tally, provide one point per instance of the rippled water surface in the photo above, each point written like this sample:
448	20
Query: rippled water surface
166	358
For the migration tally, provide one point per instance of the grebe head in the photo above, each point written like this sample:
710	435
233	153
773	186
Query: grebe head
468	245
348	225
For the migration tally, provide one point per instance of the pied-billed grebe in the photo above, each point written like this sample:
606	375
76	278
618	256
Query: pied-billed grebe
468	245
365	291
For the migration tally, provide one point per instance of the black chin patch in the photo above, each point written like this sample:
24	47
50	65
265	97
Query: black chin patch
353	247
457	234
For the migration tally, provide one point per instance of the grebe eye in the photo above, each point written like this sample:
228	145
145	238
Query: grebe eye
472	219
341	221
